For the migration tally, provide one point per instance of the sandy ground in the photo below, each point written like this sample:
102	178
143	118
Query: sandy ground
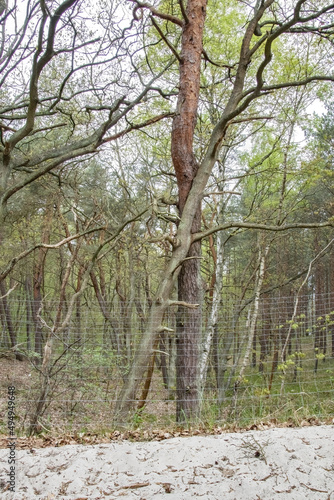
281	463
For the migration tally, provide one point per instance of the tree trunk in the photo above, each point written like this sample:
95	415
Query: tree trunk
216	300
185	165
38	279
188	339
7	318
105	309
28	289
261	271
163	359
265	333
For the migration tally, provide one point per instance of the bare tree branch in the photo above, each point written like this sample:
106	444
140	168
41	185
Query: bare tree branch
261	227
65	241
155	12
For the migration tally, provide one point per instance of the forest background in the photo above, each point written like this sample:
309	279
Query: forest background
166	209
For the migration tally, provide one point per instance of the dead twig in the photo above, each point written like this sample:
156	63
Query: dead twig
134	486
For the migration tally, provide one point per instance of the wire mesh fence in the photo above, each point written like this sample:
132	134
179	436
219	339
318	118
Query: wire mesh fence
273	362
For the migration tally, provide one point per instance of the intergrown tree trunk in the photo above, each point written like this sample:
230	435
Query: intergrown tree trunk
185	165
192	179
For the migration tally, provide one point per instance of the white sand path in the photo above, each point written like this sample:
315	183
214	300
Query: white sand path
278	463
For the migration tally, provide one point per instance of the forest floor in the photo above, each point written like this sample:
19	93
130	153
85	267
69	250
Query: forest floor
281	463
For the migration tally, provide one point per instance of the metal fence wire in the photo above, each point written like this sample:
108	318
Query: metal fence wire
272	363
